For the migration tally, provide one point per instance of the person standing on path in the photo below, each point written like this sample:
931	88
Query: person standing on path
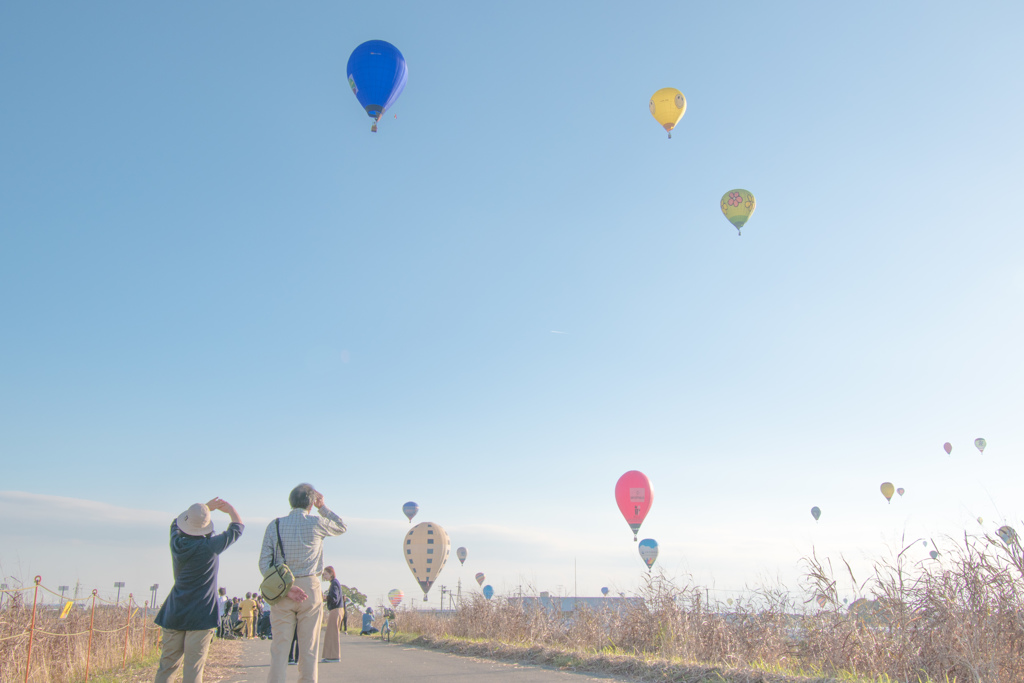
333	600
247	611
302	536
190	614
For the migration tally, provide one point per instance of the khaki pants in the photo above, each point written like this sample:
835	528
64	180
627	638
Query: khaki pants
332	635
247	627
192	646
285	616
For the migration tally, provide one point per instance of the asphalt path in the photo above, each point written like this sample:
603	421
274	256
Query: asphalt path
369	660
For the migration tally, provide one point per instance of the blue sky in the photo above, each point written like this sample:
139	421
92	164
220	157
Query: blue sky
211	271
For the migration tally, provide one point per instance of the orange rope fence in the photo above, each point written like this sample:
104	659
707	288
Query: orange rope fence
31	631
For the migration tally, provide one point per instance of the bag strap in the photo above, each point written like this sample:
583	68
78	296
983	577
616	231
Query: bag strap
277	523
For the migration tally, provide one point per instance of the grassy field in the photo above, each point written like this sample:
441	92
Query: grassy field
958	619
59	646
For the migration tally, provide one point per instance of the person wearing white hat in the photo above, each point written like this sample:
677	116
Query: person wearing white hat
189	615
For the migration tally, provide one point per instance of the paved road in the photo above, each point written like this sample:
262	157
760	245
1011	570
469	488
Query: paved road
368	660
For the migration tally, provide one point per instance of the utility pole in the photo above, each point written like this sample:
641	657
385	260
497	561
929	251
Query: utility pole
118	585
62	589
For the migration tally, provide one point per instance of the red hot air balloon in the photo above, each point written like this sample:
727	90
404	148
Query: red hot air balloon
634	495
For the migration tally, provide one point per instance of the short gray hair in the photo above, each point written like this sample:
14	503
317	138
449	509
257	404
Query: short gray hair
302	496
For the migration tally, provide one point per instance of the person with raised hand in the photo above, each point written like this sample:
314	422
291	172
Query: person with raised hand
298	540
190	614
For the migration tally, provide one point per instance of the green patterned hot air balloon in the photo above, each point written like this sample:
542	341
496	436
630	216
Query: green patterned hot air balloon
738	205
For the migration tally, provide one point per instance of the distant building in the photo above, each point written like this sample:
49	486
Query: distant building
569	605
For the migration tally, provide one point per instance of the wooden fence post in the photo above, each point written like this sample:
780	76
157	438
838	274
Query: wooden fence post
32	628
144	619
127	631
92	620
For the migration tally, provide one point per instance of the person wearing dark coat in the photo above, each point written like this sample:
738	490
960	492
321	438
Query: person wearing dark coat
333	600
190	614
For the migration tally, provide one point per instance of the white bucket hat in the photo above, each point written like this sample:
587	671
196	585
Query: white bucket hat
196	520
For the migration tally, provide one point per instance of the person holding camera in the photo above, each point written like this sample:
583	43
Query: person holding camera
301	546
190	614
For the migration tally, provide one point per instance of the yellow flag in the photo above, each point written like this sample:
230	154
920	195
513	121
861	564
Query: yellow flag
67	609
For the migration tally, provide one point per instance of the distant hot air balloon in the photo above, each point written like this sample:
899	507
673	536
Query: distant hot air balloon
395	597
901	491
729	601
924	543
949	447
887	491
1007	534
488	591
667	107
934	554
649	551
376	73
980	520
634	495
816	513
980	444
410	509
604	591
426	550
738	205
461	554
822	601
480	578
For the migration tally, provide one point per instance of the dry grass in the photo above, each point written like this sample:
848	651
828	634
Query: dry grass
59	646
958	619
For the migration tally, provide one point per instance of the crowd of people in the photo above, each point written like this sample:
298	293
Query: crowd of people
196	609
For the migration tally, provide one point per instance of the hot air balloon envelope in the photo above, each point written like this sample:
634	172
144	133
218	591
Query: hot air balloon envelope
649	551
816	513
887	490
901	491
461	554
488	591
822	601
934	554
376	73
737	206
604	590
667	107
1007	534
729	601
395	597
634	495
426	550
948	447
480	578
980	444
410	509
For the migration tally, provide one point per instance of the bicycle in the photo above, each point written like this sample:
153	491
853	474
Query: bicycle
387	628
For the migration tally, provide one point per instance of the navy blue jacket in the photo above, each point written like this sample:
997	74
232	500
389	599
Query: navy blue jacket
192	602
333	597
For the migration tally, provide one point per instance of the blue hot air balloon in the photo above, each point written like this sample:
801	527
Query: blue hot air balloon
488	591
649	551
604	591
377	74
410	509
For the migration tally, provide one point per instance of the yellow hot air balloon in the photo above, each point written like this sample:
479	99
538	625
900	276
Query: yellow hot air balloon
668	106
887	491
426	550
738	205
